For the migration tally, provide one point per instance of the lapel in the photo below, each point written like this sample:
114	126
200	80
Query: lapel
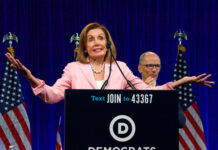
88	74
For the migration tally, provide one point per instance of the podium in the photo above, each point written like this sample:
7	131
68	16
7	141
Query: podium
121	120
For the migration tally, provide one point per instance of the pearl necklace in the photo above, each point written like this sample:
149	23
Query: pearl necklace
97	71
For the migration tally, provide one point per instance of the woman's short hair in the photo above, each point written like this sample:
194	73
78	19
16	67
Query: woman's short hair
82	53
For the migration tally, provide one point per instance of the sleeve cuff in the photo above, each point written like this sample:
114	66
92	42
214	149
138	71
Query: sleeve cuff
37	90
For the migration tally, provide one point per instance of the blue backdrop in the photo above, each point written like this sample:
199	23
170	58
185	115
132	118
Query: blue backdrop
44	28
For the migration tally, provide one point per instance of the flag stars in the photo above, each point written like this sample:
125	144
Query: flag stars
13	99
10	81
1	101
7	97
13	93
190	100
6	73
190	95
3	90
2	95
19	95
15	82
6	108
6	103
14	88
8	92
12	104
185	94
6	68
4	79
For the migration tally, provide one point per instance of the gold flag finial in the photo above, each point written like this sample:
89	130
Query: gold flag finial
10	37
180	34
75	37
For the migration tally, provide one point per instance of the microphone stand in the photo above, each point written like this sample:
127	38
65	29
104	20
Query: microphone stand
112	56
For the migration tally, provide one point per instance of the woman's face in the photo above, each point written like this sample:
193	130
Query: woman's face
96	44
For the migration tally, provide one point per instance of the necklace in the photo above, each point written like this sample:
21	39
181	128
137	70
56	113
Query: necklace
97	71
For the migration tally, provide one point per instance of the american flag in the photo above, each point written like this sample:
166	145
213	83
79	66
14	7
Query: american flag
14	122
191	137
58	138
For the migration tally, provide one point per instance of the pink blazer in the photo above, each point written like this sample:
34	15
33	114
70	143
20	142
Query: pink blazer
80	76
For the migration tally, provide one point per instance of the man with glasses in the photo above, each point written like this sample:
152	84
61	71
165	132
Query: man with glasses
149	67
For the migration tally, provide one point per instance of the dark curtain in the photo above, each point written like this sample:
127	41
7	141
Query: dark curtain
44	28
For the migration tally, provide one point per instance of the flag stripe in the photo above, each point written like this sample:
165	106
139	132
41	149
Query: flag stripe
58	146
13	131
19	129
7	132
182	143
23	111
195	134
58	138
4	138
190	136
186	139
22	123
194	124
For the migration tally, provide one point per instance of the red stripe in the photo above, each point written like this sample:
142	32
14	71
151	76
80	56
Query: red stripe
195	125
190	136
58	146
13	131
22	123
4	138
183	143
58	130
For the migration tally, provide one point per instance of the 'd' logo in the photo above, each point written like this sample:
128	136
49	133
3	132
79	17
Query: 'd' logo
122	128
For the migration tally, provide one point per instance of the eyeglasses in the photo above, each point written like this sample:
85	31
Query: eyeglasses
150	66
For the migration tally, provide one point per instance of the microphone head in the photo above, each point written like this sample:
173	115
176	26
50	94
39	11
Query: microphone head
108	44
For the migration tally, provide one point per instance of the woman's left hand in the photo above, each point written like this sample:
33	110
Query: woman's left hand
200	79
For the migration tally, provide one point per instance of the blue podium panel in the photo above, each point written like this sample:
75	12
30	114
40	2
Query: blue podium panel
121	120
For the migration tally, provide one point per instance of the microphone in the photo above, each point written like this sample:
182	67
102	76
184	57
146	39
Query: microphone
108	45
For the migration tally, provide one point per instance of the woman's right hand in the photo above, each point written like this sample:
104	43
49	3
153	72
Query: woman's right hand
23	70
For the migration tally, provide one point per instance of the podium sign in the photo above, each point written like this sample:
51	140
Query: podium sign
121	120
